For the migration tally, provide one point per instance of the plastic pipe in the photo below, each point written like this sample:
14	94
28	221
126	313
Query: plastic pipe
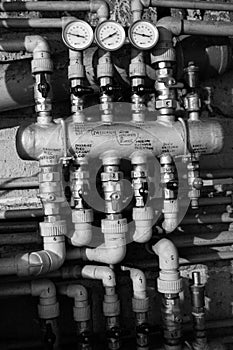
99	6
108	254
167	253
76	291
35	263
179	27
201	5
103	273
139	282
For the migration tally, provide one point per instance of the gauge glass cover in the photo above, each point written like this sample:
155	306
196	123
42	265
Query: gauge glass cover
143	35
78	35
110	35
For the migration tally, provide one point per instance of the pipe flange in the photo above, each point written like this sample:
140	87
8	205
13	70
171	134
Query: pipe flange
49	229
42	65
114	226
140	305
82	215
169	287
82	314
143	214
48	311
111	309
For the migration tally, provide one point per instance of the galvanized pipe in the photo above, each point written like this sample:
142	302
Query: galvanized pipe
187	4
20	238
21	214
207	219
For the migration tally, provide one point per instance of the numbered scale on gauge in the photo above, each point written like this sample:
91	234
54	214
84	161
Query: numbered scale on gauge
143	35
110	35
77	35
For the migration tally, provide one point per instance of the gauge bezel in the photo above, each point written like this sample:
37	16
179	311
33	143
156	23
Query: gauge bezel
130	34
98	40
66	28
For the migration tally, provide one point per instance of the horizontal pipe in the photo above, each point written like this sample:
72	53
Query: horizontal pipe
36	23
10	227
20	238
99	6
216	173
179	26
207	219
21	214
18	183
203	239
215	201
188	4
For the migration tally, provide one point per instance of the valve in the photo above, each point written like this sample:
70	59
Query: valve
113	337
141	90
191	75
43	86
194	180
81	90
142	335
84	341
109	89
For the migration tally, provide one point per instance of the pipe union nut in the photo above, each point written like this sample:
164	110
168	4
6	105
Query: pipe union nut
82	215
114	226
42	65
137	70
48	311
169	287
104	70
49	229
82	314
50	177
140	305
111	309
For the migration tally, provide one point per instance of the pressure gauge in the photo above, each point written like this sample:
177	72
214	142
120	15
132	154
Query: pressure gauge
143	35
110	35
77	35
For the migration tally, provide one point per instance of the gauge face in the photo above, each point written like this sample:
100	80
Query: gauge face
143	35
77	35
110	35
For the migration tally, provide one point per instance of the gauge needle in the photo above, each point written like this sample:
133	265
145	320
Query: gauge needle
148	36
109	36
79	36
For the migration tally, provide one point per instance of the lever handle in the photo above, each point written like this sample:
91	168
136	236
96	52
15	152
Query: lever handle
43	86
141	90
109	89
81	90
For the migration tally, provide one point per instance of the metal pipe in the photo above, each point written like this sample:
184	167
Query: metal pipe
179	26
186	4
10	227
21	214
203	239
99	6
20	238
216	173
18	183
30	141
207	219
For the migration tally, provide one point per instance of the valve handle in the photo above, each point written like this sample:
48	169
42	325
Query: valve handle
141	90
81	90
43	86
109	89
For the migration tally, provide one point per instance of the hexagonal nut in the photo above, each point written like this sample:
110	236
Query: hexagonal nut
48	177
113	176
80	175
166	103
106	106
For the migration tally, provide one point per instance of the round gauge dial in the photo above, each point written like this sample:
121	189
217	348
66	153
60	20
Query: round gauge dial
78	35
143	35
110	35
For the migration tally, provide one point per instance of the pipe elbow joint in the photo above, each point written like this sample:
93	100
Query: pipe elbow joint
107	255
167	253
43	288
36	43
172	26
138	279
104	273
101	8
77	291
